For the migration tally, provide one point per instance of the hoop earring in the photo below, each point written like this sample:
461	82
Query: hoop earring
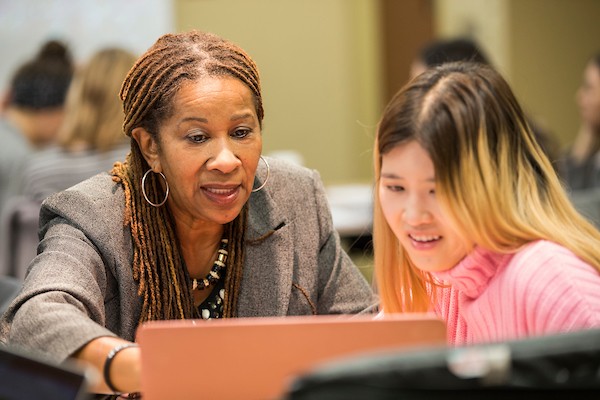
144	189
267	179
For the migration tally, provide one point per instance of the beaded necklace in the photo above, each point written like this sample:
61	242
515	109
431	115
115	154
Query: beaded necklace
215	272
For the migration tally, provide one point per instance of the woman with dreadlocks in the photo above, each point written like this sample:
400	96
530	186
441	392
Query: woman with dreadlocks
194	224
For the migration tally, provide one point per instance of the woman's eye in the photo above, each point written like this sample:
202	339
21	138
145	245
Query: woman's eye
197	138
241	133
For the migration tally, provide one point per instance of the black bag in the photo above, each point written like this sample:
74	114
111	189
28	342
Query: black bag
565	366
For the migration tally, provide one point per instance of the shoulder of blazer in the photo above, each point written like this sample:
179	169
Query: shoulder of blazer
287	179
96	201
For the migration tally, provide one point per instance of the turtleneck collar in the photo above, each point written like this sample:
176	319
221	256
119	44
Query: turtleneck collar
472	274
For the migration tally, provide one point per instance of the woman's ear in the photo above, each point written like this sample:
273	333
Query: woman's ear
148	147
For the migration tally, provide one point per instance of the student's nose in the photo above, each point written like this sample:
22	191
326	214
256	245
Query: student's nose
416	211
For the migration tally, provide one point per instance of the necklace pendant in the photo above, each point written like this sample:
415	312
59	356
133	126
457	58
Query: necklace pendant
214	274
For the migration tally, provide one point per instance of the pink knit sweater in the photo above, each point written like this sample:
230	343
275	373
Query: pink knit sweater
542	289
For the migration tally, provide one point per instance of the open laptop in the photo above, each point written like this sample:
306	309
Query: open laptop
257	358
23	376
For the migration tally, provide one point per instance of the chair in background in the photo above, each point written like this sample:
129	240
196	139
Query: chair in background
18	236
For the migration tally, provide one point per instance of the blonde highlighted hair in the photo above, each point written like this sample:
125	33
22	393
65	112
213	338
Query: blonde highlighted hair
94	114
493	181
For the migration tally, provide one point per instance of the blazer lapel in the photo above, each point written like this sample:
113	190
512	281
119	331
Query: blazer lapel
268	266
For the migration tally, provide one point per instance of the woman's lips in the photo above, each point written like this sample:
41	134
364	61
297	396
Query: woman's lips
221	195
424	242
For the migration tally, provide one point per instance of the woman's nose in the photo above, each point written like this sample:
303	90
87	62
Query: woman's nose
224	159
416	212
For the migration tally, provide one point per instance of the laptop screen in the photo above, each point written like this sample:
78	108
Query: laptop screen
25	377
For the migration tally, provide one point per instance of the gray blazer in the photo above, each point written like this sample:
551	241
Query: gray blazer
80	286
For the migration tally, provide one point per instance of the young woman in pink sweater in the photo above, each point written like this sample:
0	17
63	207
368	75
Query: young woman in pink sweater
471	221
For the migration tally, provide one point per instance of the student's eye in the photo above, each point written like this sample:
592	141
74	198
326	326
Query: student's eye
241	133
395	188
432	192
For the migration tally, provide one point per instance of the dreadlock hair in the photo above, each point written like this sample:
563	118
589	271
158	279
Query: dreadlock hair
147	95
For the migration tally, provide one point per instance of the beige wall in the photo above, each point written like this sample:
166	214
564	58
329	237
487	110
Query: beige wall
485	21
551	41
540	45
319	63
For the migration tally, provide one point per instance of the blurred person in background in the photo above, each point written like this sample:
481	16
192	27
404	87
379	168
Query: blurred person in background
580	168
32	111
439	52
443	51
91	137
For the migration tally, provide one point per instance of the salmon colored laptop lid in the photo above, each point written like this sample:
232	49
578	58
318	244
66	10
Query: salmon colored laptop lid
257	358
